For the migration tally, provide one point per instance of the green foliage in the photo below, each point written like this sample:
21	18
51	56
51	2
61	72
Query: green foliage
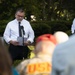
3	24
43	10
69	32
51	27
58	26
41	28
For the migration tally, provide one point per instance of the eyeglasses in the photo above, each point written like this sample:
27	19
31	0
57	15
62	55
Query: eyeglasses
20	16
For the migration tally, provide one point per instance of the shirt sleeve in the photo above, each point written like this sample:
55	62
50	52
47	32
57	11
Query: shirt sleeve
31	34
73	26
6	34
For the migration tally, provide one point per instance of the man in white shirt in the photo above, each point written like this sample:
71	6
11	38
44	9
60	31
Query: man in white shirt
13	31
73	27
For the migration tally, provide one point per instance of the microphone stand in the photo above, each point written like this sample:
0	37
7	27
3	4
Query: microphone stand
23	33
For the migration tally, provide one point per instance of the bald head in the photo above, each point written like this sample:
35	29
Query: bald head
45	44
61	36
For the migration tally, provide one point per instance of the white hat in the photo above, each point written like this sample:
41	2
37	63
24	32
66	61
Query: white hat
61	36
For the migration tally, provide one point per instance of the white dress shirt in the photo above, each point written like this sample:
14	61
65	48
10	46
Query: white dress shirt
73	26
12	31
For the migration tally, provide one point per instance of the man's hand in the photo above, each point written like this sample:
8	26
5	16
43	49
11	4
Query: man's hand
14	42
27	43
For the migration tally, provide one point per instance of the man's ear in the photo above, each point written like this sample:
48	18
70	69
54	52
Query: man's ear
15	14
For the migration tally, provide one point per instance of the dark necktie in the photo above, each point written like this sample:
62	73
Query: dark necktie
20	34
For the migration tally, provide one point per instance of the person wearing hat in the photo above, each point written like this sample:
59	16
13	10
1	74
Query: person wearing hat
61	36
63	59
73	26
41	63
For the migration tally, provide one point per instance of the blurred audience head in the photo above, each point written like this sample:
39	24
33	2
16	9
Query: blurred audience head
45	44
61	36
5	60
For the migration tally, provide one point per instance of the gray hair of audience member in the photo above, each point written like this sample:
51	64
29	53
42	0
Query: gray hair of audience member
5	60
61	36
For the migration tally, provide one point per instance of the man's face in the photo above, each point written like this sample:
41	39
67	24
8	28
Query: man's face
19	16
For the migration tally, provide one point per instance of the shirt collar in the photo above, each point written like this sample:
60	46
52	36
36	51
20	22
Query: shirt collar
17	21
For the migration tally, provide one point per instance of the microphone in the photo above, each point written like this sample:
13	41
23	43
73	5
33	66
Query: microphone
23	29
